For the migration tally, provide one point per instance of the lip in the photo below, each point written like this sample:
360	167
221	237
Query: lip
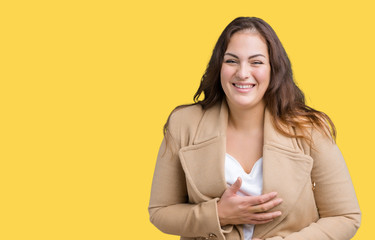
243	87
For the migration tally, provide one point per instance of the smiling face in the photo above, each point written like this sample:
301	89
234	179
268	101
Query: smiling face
245	72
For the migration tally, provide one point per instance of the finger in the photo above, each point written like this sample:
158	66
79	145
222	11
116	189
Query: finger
257	200
265	206
261	217
256	222
236	185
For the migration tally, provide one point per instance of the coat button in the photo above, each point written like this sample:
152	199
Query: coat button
212	236
202	238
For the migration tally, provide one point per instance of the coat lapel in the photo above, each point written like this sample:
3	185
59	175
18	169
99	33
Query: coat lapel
286	169
203	162
204	169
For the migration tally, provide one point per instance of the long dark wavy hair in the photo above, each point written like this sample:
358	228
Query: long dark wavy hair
283	98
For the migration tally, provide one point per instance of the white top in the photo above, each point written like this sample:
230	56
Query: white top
252	183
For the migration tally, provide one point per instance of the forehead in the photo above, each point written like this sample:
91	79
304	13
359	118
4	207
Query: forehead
247	42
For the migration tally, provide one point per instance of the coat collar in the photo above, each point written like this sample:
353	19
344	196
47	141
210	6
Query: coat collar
215	120
286	169
213	124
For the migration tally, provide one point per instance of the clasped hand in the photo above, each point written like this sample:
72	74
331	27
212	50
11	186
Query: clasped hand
236	209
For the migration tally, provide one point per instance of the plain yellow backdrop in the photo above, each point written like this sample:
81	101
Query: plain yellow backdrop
86	87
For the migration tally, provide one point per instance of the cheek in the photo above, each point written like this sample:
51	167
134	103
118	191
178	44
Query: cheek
225	73
262	76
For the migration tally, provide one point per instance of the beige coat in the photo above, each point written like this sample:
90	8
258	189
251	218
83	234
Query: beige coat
189	180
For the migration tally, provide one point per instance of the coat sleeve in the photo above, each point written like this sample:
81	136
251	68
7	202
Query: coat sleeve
334	194
169	208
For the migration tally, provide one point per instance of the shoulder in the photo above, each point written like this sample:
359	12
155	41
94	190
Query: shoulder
192	122
318	139
187	110
184	120
321	140
185	115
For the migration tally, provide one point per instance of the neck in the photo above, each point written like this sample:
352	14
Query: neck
247	120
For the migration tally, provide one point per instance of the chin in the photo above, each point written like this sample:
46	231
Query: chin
246	104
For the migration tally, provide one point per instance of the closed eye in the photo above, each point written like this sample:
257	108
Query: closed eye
230	61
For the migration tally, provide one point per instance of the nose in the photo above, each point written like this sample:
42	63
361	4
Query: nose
243	72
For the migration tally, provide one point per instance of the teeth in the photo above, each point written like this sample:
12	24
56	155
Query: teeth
244	86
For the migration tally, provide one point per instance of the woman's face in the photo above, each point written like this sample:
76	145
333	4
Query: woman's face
246	71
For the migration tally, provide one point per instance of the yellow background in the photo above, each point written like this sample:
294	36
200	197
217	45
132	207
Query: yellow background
86	87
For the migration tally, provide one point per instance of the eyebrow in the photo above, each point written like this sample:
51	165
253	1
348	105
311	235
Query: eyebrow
252	56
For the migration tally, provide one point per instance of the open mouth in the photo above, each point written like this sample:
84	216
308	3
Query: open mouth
244	86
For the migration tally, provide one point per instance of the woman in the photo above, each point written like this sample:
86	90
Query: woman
251	160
